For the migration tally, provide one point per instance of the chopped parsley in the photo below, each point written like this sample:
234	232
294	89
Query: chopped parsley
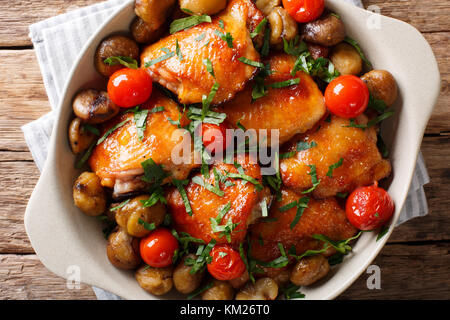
300	204
178	51
90	128
188	22
200	37
274	181
200	290
81	161
264	209
228	38
372	122
125	61
341	246
203	258
166	56
283	84
107	133
259	28
207	100
314	179
120	205
180	186
146	225
291	292
226	229
252	63
355	44
383	231
153	173
209	66
140	119
334	166
245	177
214	189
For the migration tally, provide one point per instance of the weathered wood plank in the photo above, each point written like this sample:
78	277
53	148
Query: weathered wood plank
24	277
408	272
16	17
427	16
17	180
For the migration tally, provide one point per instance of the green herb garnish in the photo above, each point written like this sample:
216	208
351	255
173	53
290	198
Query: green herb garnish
120	205
180	186
252	63
188	22
334	166
355	44
146	225
107	133
125	61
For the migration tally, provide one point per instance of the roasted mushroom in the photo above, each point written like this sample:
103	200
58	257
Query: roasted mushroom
200	7
185	281
88	194
220	290
157	281
309	270
346	59
143	33
282	26
266	6
94	106
123	250
133	212
79	137
262	289
382	85
114	46
327	31
154	12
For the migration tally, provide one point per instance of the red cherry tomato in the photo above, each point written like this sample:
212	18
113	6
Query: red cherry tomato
304	10
158	248
226	263
130	87
214	137
347	96
368	208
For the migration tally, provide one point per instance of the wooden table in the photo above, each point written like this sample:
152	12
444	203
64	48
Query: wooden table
415	264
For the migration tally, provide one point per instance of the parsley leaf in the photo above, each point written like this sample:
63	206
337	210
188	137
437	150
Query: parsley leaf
107	133
81	161
314	179
200	290
334	166
153	173
178	50
300	204
125	61
259	28
228	38
214	189
283	84
355	44
207	100
188	22
291	292
209	66
383	231
120	205
252	63
159	59
146	225
180	186
203	251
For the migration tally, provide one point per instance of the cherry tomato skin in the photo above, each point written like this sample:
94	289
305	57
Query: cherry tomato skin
304	10
226	263
347	96
158	248
368	208
130	87
214	137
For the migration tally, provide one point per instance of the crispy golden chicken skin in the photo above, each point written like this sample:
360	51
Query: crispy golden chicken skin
294	109
244	199
321	217
119	157
361	161
189	77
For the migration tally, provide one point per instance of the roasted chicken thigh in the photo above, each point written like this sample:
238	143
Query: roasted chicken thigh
345	157
291	110
186	74
117	160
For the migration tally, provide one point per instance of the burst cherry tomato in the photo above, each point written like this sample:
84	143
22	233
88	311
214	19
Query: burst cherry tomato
304	10
347	96
130	87
226	263
368	208
158	248
214	137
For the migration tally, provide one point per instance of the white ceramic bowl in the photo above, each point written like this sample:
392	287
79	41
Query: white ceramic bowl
62	236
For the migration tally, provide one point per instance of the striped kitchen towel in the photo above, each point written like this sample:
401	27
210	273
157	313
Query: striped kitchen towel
58	41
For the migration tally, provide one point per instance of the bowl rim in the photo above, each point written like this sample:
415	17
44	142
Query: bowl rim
30	229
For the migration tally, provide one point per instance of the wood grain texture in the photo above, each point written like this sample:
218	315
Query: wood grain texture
408	272
24	277
18	15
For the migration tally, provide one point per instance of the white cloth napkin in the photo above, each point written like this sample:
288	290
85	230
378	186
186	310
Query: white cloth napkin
58	41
